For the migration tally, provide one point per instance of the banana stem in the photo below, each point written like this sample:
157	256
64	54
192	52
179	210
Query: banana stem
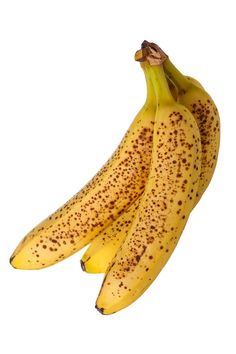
175	75
151	96
160	84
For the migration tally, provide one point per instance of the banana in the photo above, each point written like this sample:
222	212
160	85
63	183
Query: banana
192	95
115	187
204	110
165	205
104	247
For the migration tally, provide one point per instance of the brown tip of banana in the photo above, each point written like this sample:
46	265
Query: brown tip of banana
11	261
101	310
82	264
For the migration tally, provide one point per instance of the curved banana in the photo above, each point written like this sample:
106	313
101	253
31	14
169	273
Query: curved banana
165	205
204	110
192	95
103	248
115	187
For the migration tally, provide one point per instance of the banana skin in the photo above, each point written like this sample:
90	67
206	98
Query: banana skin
193	96
206	114
165	205
190	93
115	187
103	248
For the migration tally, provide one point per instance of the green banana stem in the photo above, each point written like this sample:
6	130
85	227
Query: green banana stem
176	76
160	84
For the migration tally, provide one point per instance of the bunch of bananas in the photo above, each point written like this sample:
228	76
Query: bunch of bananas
135	208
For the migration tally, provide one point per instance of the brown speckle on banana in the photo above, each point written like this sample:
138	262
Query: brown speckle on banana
118	184
163	211
206	114
104	247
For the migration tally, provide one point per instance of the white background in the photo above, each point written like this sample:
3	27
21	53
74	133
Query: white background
69	88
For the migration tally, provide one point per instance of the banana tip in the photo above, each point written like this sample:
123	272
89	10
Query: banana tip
11	261
82	264
100	309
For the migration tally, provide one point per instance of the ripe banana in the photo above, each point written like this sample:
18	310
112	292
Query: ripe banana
204	110
192	95
165	205
115	187
135	208
104	247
